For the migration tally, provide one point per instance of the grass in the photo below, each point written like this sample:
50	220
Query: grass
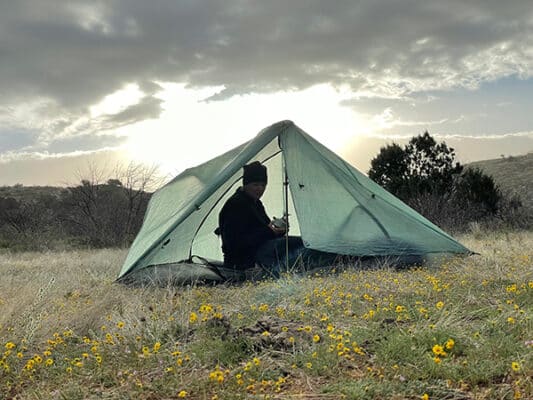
461	329
512	174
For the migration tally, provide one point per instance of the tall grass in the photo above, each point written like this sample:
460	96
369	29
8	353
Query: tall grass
458	329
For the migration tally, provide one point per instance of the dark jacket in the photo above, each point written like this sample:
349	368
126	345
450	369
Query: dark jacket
243	225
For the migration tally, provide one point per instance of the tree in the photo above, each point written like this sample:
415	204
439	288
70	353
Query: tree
425	175
431	165
479	189
108	211
28	222
13	215
423	166
389	169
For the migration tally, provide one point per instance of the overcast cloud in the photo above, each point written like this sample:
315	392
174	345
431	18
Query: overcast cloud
397	57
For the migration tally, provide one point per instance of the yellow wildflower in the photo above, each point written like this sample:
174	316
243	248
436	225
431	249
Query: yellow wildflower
515	366
449	344
30	364
438	350
217	375
206	308
157	346
316	338
439	305
182	394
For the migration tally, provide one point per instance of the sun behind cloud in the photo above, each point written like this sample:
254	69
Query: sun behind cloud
118	101
193	128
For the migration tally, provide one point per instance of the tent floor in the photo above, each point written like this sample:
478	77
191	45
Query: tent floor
179	274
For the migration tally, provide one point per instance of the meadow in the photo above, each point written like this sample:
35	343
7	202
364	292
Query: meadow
459	329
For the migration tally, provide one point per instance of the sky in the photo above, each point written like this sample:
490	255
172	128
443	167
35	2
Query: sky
174	83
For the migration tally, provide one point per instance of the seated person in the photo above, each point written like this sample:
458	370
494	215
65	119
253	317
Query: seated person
248	235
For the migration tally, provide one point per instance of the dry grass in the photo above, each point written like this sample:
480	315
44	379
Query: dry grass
353	334
512	174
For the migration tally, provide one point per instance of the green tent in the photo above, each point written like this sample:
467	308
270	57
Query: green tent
331	205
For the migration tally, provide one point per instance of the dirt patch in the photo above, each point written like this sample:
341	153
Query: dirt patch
275	333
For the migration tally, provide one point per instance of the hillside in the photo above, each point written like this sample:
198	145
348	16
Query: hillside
512	174
20	192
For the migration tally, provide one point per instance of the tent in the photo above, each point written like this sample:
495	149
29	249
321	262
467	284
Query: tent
330	204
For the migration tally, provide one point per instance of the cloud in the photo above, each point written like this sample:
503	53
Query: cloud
147	108
14	139
82	143
60	58
467	148
58	170
495	108
84	50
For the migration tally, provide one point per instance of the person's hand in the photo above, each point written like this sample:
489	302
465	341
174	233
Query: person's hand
277	231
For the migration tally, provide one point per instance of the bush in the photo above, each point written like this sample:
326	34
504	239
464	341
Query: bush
424	175
478	189
455	215
422	167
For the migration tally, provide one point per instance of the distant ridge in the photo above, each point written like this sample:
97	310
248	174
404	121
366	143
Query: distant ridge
513	174
19	192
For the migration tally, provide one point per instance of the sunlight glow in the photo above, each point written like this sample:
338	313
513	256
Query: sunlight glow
118	101
193	129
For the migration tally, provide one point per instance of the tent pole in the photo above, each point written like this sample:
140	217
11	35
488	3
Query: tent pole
286	208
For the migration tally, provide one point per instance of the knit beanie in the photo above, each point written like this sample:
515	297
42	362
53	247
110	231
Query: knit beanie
254	172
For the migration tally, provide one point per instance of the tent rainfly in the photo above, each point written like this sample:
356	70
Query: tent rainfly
330	204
